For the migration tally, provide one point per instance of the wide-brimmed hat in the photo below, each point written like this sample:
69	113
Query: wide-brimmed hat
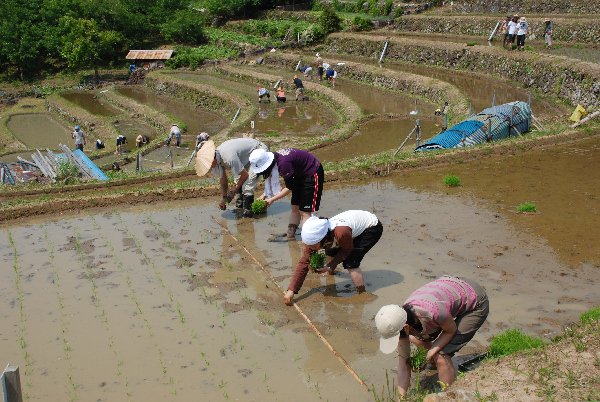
318	54
389	320
547	20
279	89
314	230
522	19
260	160
205	157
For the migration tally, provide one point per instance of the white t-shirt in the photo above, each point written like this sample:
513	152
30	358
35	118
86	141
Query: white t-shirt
175	130
356	220
512	27
78	135
522	28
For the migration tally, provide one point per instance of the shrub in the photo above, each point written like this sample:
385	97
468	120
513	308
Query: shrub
259	207
317	259
511	341
67	171
588	317
329	20
451	181
398	11
312	34
361	23
359	6
527	207
184	27
387	8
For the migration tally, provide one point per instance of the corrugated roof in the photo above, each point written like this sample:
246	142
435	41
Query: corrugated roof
149	54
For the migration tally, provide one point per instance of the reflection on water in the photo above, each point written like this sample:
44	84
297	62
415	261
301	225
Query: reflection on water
377	136
196	120
87	100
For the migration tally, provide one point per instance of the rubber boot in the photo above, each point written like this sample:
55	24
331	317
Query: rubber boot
291	232
248	200
239	199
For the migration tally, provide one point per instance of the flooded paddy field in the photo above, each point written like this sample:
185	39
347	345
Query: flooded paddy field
196	120
159	302
13	157
131	128
376	136
89	101
39	130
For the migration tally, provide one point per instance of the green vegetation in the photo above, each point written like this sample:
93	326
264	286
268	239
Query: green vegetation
451	181
67	172
418	358
329	20
511	341
361	23
527	207
590	316
472	43
317	259
272	135
259	207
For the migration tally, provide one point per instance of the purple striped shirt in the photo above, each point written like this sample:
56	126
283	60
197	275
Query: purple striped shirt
445	297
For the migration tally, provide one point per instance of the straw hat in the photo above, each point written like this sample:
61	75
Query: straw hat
279	89
522	19
547	20
205	157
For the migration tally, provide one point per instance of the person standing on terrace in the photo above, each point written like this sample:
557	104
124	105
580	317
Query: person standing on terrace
548	33
79	137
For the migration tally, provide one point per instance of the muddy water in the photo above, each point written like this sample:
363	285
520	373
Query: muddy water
160	159
39	131
14	157
376	136
131	128
290	118
87	100
148	303
196	120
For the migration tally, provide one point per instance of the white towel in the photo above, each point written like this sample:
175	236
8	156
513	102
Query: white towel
272	185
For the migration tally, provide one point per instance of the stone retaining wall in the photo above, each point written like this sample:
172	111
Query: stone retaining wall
527	6
552	75
567	30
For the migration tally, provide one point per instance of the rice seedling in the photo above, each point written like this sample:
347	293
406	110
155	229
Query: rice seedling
527	207
317	259
451	180
511	341
259	207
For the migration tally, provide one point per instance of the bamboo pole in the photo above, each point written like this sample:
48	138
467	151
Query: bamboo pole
298	309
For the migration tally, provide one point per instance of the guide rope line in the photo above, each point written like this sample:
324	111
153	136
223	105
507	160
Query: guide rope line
298	309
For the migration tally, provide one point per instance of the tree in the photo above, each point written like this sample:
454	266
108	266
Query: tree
185	26
329	20
84	44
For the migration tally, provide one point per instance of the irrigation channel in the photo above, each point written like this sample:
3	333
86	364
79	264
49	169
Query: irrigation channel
159	303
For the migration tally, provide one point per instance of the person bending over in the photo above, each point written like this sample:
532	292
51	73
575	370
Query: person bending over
441	316
347	237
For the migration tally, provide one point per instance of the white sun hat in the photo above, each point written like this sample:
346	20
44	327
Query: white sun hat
261	160
314	230
205	157
389	320
318	54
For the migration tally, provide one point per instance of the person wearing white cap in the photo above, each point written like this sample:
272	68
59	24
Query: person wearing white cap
79	137
319	66
441	316
347	236
234	155
303	176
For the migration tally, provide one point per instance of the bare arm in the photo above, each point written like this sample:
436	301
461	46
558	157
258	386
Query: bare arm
243	177
403	367
278	196
448	330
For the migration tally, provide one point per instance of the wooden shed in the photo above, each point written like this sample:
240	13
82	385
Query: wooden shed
149	59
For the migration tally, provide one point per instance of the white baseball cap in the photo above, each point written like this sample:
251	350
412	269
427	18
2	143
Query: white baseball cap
318	54
260	160
389	320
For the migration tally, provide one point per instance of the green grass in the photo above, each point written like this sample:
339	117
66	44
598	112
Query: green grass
451	181
590	316
471	43
259	207
527	207
317	259
511	341
272	135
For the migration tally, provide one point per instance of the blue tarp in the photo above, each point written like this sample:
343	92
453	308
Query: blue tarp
491	124
95	170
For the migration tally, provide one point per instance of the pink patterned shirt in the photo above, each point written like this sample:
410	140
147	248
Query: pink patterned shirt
445	297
